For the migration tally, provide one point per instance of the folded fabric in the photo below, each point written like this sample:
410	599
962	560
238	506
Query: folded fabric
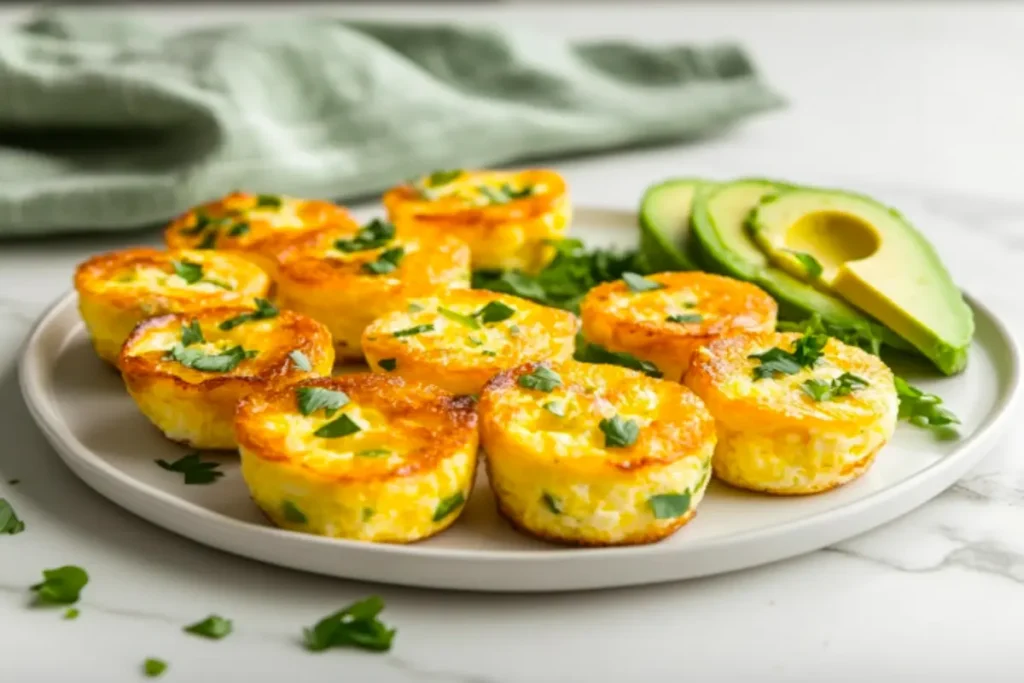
107	123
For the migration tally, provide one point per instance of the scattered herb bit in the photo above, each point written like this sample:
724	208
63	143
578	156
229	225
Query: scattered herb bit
669	505
416	329
387	262
685	318
922	409
209	240
553	504
218	283
542	378
808	349
826	390
504	194
495	312
154	667
71	614
202	221
9	522
61	586
225	361
264	310
373	453
414	307
239	229
300	360
192	334
556	408
343	426
312	399
268	200
368	514
861	336
188	271
373	235
212	627
14	482
473	341
449	505
467	320
388	364
438	178
196	470
292	513
638	283
806	352
489	353
357	626
619	433
594	353
514	330
810	264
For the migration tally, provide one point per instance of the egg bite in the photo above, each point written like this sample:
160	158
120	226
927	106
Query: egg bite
664	318
594	455
461	340
187	371
796	414
359	456
254	225
508	218
346	279
117	290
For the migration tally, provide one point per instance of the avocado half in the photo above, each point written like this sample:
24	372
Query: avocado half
871	256
718	221
665	223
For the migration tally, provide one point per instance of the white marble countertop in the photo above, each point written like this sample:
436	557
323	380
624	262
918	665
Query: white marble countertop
922	106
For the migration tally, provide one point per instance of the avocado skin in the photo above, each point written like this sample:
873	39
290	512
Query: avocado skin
797	300
665	235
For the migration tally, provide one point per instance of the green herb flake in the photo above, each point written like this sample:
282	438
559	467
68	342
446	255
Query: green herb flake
312	399
551	503
514	330
619	433
354	626
414	330
494	312
473	341
375	234
343	426
448	505
209	240
861	336
192	333
810	264
466	320
61	586
826	390
368	514
669	505
388	364
542	378
212	627
775	361
154	667
373	453
387	262
9	522
638	283
71	614
556	408
443	177
300	361
270	201
194	468
414	307
291	512
685	318
922	409
188	271
239	229
489	353
264	310
225	361
594	353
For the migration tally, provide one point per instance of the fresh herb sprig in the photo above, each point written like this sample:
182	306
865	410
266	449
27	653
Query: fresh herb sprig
827	390
357	625
775	361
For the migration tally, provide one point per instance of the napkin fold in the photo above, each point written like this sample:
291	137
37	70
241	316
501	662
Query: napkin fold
107	123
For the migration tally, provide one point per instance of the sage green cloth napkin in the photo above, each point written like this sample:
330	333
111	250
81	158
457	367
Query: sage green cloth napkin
107	123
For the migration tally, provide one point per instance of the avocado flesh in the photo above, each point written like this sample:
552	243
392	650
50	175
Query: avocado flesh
719	227
665	224
874	258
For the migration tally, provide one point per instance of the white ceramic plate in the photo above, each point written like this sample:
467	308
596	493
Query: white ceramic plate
82	408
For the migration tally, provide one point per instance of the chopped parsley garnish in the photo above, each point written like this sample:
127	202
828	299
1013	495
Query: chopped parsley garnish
489	353
343	426
61	586
188	271
414	307
373	453
9	522
373	235
438	178
268	200
685	318
448	505
556	408
860	336
264	310
473	341
195	469
300	360
154	667
920	408
514	330
239	229
669	505
775	361
209	240
202	221
551	503
638	283
467	320
542	378
225	361
387	262
212	627
292	513
355	626
71	614
826	390
593	353
312	399
192	334
619	433
494	312
416	329
388	364
368	514
504	194
809	263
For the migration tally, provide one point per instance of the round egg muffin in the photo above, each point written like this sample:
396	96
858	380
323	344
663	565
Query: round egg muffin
591	454
461	340
346	279
508	218
119	289
255	225
664	318
360	456
796	413
187	371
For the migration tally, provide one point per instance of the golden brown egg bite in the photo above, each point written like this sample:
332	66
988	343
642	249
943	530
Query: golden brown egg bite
796	414
460	340
507	218
187	371
592	454
117	290
359	456
254	225
346	279
664	318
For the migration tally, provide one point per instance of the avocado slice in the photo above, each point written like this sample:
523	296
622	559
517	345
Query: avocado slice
871	256
665	223
719	228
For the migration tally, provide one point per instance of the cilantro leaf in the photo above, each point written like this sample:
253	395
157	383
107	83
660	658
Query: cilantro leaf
154	667
467	320
826	390
264	310
809	263
343	426
312	399
922	409
808	349
775	361
669	505
212	627
556	408
443	177
354	626
188	271
196	470
268	200
861	336
551	503
448	505
292	513
71	613
494	312
387	262
373	235
587	352
239	229
542	378
192	334
225	361
61	586
685	318
300	361
209	240
638	283
619	433
388	364
416	329
9	522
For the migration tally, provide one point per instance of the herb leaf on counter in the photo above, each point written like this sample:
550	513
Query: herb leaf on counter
154	667
212	627
61	586
9	522
354	626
